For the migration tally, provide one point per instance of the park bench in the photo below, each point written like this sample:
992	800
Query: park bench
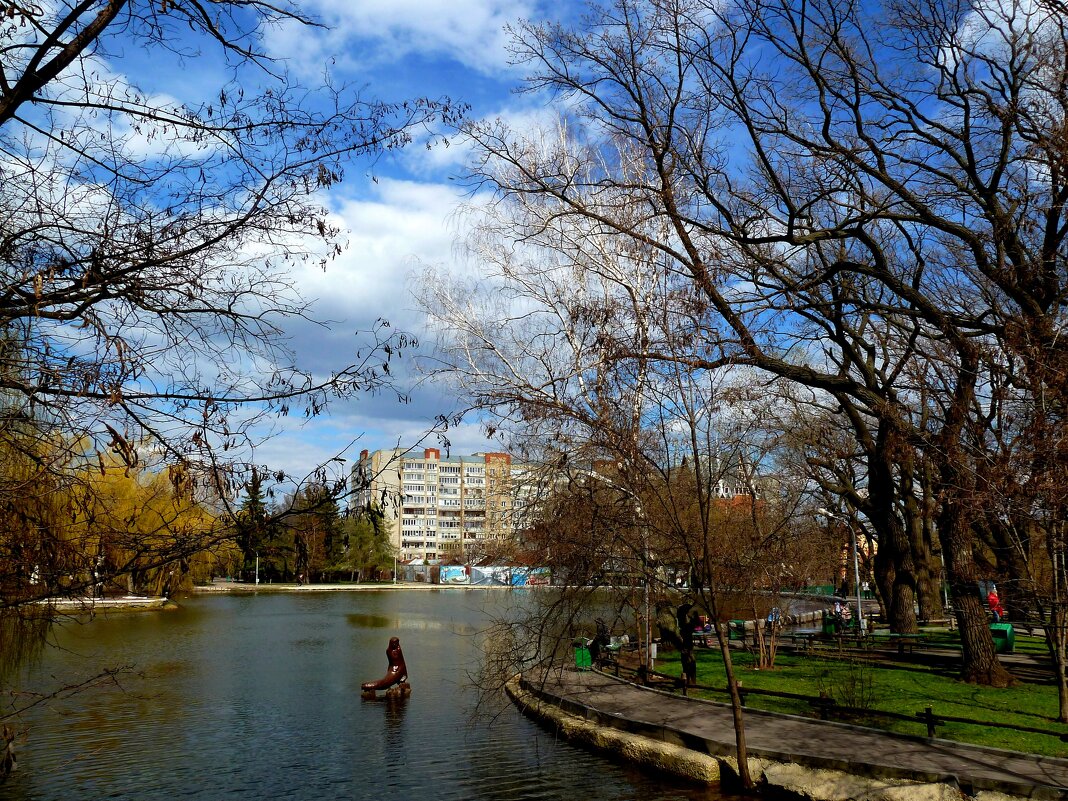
904	642
800	640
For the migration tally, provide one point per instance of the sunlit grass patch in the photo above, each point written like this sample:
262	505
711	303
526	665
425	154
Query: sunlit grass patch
893	687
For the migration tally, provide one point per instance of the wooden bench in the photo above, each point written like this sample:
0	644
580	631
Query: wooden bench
800	640
903	641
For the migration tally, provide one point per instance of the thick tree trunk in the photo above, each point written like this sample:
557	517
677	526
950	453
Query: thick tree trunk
676	629
918	511
903	609
928	573
980	662
897	593
893	542
981	665
960	505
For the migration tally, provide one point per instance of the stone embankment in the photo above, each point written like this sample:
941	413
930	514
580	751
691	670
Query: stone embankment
795	756
111	603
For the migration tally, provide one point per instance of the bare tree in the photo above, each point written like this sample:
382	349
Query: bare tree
145	250
560	341
855	462
800	165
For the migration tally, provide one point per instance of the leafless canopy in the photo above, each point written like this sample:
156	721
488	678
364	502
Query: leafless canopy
868	202
146	250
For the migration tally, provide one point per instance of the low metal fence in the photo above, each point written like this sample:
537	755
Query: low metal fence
825	707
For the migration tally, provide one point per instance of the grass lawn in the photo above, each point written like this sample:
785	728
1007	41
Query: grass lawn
892	687
1025	644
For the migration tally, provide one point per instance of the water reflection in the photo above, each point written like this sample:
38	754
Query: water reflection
408	624
244	697
395	706
371	621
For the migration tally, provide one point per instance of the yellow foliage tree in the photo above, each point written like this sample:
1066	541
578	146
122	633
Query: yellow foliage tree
141	529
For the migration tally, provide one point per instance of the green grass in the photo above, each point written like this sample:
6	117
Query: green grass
893	687
1025	644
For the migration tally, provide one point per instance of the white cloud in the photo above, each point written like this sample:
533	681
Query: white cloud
525	114
371	32
401	224
396	227
1000	29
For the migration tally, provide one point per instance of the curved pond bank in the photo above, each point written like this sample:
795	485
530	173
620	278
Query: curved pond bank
797	756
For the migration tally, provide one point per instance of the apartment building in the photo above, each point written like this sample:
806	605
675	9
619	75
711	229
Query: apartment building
459	506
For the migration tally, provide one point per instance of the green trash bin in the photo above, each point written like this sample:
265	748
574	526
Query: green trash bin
1004	637
828	627
736	630
583	659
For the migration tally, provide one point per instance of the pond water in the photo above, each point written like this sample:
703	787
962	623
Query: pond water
258	696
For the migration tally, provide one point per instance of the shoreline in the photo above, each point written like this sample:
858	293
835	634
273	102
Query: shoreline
694	739
120	602
137	603
219	586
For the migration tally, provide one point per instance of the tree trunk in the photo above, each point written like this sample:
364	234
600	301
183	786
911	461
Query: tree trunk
893	543
883	572
1056	625
676	629
1062	681
981	665
722	636
928	573
980	662
960	505
917	512
903	609
687	620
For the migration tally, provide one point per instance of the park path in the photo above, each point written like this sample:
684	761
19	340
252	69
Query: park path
706	726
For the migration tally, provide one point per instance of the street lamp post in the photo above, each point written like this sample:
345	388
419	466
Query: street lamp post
645	582
943	581
257	567
856	561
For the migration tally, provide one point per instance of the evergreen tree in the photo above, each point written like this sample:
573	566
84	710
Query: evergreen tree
366	548
252	524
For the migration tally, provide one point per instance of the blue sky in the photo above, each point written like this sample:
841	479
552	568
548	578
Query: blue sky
403	219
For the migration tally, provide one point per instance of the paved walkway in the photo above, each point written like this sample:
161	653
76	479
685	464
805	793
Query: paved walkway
707	726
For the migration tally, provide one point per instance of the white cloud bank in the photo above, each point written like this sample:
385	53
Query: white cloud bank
374	32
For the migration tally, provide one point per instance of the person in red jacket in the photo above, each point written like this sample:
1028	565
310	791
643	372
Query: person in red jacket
994	603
